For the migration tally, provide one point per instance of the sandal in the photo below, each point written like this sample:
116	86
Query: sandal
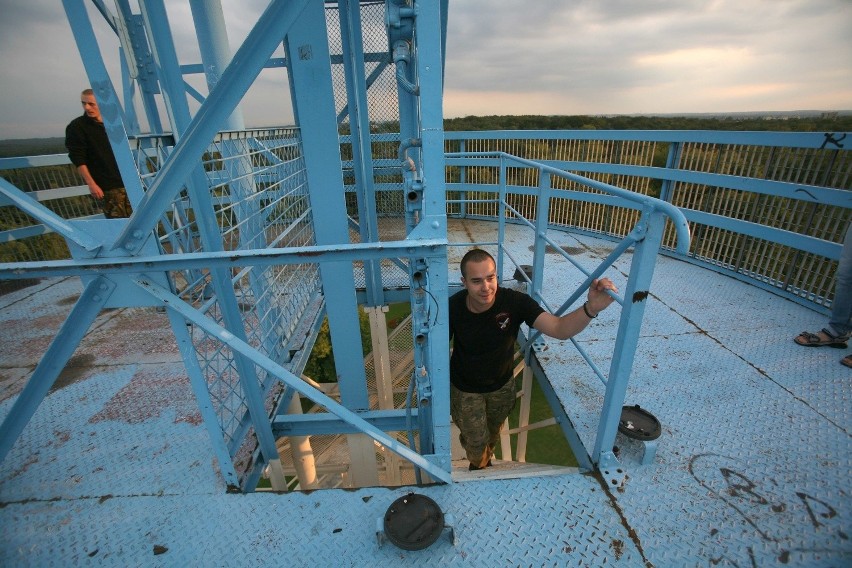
847	361
819	339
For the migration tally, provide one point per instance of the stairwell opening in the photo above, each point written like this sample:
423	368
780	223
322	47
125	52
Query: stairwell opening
532	443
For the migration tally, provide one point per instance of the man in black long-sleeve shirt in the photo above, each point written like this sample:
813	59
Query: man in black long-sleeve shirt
89	149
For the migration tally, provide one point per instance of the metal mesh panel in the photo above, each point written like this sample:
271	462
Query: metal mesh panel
257	186
382	105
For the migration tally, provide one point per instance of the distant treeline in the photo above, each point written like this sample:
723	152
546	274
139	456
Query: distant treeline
825	122
31	147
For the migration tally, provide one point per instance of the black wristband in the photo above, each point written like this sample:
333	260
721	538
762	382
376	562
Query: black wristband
585	309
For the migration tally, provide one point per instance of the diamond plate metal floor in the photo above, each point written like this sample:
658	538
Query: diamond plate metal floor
752	469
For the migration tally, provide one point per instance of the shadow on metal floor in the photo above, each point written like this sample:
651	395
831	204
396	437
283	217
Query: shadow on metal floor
752	468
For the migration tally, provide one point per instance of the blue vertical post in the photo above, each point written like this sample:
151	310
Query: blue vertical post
313	97
143	74
672	159
542	217
462	181
635	300
501	215
359	128
540	245
430	73
128	87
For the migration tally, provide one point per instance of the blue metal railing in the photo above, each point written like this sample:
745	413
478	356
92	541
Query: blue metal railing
770	208
645	237
751	201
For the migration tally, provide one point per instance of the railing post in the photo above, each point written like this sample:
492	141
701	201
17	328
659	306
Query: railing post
501	216
672	160
462	181
632	312
542	215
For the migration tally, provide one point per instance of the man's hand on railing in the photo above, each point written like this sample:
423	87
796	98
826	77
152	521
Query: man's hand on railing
599	298
572	323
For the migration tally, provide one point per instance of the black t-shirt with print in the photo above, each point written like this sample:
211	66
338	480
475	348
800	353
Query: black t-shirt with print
484	343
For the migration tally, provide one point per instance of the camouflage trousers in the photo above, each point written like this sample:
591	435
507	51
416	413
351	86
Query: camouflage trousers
116	204
479	417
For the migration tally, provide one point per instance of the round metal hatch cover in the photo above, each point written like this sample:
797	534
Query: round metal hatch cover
521	270
639	424
413	522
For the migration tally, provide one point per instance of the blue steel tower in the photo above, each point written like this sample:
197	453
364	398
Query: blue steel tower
159	401
251	238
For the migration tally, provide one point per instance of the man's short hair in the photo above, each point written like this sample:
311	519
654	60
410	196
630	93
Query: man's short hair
88	92
474	255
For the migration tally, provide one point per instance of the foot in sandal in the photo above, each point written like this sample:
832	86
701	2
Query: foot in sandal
821	338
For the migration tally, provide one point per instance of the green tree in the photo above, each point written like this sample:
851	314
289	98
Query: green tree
320	366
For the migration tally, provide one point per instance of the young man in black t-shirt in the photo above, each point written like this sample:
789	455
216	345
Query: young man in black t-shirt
484	324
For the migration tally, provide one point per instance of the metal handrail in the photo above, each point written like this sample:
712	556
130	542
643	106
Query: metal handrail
643	201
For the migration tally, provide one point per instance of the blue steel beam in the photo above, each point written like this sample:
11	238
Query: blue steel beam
247	63
323	424
630	324
247	352
159	36
362	150
222	259
313	100
138	69
429	71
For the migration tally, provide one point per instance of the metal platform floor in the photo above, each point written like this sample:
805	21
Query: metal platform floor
752	469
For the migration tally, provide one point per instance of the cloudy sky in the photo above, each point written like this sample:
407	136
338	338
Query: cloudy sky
511	57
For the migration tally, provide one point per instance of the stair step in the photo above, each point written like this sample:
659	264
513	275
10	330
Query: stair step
508	470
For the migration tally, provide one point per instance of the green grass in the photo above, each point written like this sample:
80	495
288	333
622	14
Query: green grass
397	313
546	445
